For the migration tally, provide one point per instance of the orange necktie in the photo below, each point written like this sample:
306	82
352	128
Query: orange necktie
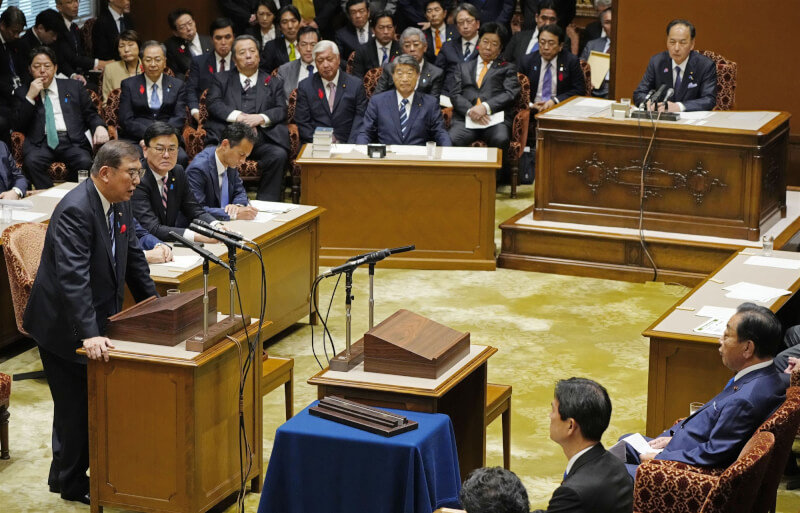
483	72
438	42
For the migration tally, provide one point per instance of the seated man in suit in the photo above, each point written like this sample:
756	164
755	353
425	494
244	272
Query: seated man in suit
403	116
595	480
332	98
164	200
283	48
356	33
214	176
463	47
13	184
430	80
12	22
526	42
292	73
603	45
185	42
692	76
493	489
110	23
379	50
54	114
714	435
555	74
204	67
44	32
439	32
484	87
253	97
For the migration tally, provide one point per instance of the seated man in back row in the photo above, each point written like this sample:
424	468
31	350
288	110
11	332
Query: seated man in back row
430	79
12	184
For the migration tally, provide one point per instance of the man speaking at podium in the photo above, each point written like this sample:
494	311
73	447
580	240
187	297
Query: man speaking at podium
90	252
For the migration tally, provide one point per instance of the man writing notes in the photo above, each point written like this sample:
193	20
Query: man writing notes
403	116
691	75
90	253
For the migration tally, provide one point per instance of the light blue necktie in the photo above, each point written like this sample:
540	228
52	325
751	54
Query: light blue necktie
547	83
403	116
155	103
224	199
385	56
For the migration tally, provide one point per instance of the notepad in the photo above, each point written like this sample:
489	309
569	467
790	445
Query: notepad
272	207
181	262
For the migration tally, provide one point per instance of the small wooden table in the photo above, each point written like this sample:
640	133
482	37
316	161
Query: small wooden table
459	393
443	206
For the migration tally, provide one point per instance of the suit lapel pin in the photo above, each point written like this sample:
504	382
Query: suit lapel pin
344	86
666	70
536	68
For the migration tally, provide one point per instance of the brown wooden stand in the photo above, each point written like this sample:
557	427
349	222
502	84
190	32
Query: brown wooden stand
216	332
362	417
343	363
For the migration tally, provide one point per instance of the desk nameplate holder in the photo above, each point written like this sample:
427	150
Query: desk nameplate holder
362	417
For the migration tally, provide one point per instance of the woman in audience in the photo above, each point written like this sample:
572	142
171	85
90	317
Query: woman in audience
128	65
264	30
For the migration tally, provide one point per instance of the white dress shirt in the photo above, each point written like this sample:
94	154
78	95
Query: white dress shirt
117	16
149	90
52	92
227	60
194	45
267	36
533	41
363	33
575	457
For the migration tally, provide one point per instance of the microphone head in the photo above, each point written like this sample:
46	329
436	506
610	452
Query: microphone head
669	94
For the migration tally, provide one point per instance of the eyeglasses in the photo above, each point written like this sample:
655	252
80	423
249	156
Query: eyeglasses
489	44
185	26
134	173
466	21
171	150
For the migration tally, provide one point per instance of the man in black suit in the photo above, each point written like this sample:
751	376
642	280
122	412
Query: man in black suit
204	67
254	98
461	48
693	76
164	201
43	33
90	253
13	184
331	98
430	78
12	22
380	50
292	73
595	29
72	57
555	74
499	11
493	489
356	33
595	480
185	42
54	115
110	23
439	31
526	42
283	48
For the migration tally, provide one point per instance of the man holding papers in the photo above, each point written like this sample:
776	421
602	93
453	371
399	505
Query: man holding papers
714	435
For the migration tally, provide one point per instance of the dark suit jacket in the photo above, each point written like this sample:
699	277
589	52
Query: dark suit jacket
24	45
203	177
499	88
203	69
312	108
182	206
714	436
289	72
597	482
78	285
367	57
347	40
382	121
430	81
569	74
10	173
135	115
494	10
146	239
451	32
179	57
515	50
450	57
275	53
698	88
71	55
9	53
225	96
79	113
105	34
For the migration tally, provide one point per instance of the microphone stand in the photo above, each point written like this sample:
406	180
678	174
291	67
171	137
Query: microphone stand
348	288
232	274
371	295
205	298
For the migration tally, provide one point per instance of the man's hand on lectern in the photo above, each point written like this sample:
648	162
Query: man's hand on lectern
97	347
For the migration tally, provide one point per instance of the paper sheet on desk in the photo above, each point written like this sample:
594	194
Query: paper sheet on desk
712	327
779	263
696	115
340	148
414	151
180	262
716	312
468	154
752	292
53	193
272	207
264	217
26	216
494	119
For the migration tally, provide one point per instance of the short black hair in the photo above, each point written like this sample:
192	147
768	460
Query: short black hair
351	3
289	8
112	153
586	402
219	23
555	30
173	16
43	50
130	35
158	129
236	132
494	28
493	490
245	37
381	14
309	30
681	22
50	19
269	4
759	324
546	4
12	17
440	2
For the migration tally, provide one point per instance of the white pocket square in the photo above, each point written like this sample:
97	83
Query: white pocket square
691	85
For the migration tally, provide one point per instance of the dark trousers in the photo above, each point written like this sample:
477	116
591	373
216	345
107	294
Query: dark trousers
497	136
272	161
68	386
37	160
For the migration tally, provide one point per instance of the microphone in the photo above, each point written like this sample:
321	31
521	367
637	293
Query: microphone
230	235
390	251
221	236
367	258
667	96
646	98
658	92
200	251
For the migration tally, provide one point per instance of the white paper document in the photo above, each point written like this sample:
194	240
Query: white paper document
468	154
412	151
444	101
600	103
494	119
53	193
752	292
180	262
716	312
638	442
26	216
696	115
272	207
779	263
264	217
712	327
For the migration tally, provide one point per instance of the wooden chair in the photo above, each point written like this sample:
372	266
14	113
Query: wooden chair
498	402
5	395
86	34
350	59
371	78
276	371
587	77
726	80
111	113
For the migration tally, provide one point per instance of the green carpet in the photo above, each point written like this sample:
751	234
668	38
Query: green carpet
546	327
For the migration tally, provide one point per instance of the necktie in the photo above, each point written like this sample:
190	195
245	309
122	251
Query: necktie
155	103
535	47
50	122
385	56
292	54
110	216
437	43
122	26
547	84
246	84
331	94
403	116
677	78
483	73
75	33
361	36
164	192
223	196
222	64
467	50
310	69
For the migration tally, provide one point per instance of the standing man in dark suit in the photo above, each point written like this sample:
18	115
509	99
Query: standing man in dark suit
493	489
13	184
73	60
380	50
555	73
498	11
204	67
90	253
253	97
413	42
292	73
482	88
283	48
595	480
403	116
110	23
54	115
439	31
214	176
150	97
185	42
526	42
164	201
693	76
461	48
12	22
43	33
356	33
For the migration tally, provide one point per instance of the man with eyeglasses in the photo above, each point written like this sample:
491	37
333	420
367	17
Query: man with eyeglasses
185	42
439	32
430	77
294	72
90	254
555	74
164	200
151	96
526	42
54	114
463	47
380	50
356	33
283	48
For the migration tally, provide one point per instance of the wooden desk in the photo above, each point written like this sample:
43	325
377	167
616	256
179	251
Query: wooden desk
685	366
460	393
444	207
164	426
723	176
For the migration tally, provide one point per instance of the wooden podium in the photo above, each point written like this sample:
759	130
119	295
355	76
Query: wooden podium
164	426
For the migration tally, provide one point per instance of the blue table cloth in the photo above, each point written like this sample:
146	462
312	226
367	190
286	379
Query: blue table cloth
320	466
